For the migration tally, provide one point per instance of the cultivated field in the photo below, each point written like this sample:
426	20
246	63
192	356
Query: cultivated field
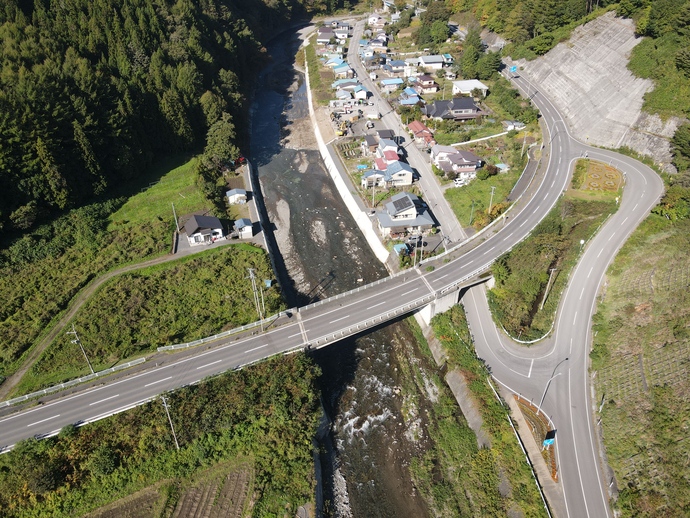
641	359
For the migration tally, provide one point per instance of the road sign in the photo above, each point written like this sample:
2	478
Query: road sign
513	69
550	438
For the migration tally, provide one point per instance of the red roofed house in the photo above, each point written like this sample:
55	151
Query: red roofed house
421	133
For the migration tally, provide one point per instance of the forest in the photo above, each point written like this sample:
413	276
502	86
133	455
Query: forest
93	91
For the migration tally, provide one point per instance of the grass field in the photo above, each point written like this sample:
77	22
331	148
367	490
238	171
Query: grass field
641	359
42	272
155	202
174	302
468	200
462	479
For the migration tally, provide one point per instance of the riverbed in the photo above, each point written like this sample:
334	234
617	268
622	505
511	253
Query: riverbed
369	445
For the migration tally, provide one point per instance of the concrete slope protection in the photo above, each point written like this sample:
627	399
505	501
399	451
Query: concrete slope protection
554	374
588	79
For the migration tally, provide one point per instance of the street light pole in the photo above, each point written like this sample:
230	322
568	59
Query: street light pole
553	375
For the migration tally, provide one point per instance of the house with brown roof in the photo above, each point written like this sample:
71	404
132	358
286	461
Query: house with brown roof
421	134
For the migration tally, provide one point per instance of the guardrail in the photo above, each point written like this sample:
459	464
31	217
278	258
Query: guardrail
259	323
71	383
366	324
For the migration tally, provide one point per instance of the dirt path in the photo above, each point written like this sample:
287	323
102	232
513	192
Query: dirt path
76	304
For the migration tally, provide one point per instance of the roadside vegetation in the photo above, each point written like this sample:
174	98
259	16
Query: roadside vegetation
45	269
640	357
457	477
174	302
264	417
544	259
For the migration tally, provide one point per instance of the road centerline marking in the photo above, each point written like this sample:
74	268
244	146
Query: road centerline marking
209	364
104	400
339	319
43	420
159	381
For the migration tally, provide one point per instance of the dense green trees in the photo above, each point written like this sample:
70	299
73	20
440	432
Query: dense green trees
91	91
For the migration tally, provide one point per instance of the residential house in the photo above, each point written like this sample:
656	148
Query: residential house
409	97
458	108
410	68
244	228
236	196
379	45
425	84
447	60
397	174
343	95
342	33
203	230
468	86
460	163
386	144
395	67
361	93
369	145
405	213
386	133
391	85
345	84
324	35
421	133
429	63
343	71
335	62
513	125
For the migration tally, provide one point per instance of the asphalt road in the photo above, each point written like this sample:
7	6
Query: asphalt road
527	371
557	368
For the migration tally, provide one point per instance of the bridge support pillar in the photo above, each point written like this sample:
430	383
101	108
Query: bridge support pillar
439	305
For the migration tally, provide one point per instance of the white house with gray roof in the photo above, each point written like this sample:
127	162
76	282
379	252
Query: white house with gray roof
405	213
203	230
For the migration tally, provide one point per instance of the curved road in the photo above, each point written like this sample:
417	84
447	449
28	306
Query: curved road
557	369
321	323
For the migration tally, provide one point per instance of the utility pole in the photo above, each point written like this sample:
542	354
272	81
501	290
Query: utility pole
78	342
548	285
491	202
471	214
256	297
175	216
165	405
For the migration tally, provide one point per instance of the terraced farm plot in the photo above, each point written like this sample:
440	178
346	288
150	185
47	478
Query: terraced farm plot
216	497
146	503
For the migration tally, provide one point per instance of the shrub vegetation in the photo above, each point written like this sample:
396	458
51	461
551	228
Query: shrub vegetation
170	303
267	412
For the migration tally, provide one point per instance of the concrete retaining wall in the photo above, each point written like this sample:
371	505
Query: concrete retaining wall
364	222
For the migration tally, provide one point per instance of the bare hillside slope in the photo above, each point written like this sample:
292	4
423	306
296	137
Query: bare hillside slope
587	78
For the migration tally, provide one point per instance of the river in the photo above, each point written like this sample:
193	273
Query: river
369	444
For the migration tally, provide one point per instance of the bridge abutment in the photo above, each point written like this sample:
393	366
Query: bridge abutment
439	305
